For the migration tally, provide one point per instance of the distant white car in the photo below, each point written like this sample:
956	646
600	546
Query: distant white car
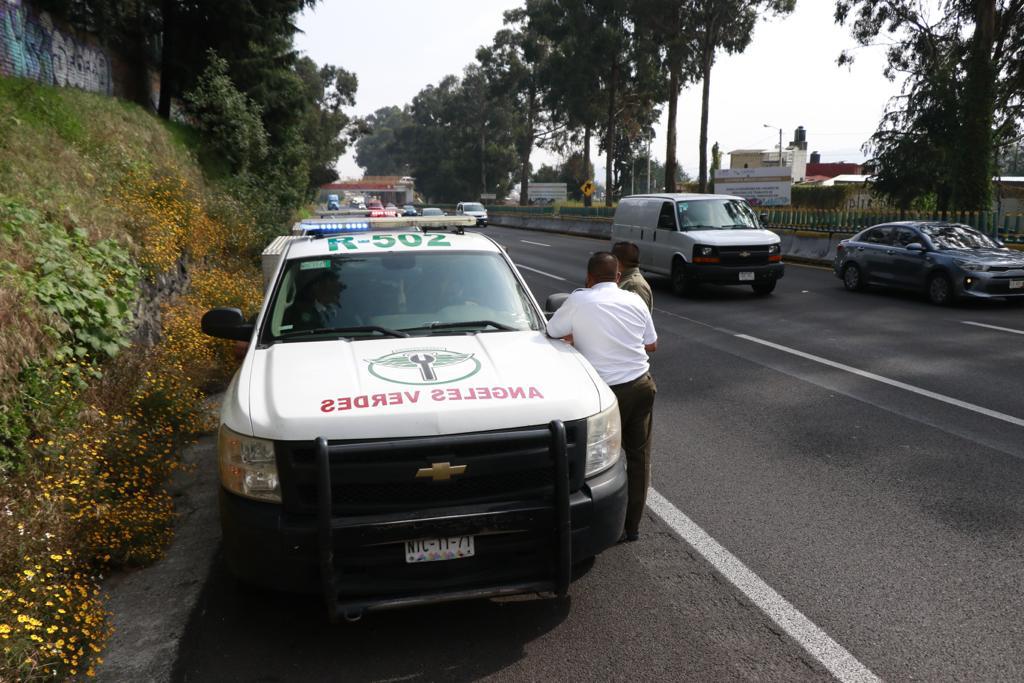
475	209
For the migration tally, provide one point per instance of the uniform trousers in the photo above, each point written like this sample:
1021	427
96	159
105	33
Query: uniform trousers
636	404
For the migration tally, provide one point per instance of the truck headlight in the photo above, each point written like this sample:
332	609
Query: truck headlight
604	440
247	466
773	249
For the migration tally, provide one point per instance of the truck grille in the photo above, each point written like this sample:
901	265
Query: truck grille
743	256
376	477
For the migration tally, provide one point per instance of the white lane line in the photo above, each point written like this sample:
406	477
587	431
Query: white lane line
539	244
541	272
813	639
992	327
891	382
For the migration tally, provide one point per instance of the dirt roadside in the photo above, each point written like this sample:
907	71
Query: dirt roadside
151	606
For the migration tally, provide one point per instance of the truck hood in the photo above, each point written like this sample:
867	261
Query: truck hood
729	238
419	386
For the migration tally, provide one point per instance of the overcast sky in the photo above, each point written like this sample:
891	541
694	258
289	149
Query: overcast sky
787	77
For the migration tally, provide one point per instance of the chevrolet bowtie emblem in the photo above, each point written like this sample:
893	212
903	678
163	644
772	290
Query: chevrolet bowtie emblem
440	471
744	254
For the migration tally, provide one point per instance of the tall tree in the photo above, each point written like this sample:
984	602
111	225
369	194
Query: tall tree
455	144
572	72
378	151
327	128
724	25
962	100
514	63
671	24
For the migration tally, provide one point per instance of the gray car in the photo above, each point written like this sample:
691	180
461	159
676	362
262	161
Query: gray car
946	261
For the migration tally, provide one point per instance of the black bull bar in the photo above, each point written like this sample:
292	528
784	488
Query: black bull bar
437	520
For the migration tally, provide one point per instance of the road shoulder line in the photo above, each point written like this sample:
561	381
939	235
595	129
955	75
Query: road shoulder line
541	272
981	410
813	639
992	327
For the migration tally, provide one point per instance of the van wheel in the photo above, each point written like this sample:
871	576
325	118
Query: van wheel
680	285
763	288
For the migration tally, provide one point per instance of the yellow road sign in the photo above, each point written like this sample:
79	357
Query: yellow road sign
588	188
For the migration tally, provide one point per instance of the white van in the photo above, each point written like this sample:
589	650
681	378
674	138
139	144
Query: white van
696	238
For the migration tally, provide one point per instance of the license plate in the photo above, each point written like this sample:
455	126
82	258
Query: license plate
439	549
1016	284
746	276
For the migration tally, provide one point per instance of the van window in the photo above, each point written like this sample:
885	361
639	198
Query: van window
666	219
716	214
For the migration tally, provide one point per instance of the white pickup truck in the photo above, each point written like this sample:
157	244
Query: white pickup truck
402	431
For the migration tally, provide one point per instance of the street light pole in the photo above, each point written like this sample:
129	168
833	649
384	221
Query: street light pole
648	165
780	141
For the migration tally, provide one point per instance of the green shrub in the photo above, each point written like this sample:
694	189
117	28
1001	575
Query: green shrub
230	121
818	197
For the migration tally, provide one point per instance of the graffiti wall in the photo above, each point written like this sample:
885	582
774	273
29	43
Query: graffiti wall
31	46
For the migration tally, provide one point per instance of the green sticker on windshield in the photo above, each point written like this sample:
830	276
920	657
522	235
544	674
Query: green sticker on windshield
314	265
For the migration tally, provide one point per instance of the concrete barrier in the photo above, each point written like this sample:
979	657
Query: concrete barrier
786	237
812	246
598	228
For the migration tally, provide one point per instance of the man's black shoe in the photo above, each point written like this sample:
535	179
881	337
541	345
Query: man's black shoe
629	537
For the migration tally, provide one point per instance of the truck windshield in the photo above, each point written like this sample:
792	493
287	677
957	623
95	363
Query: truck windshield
407	293
472	207
715	214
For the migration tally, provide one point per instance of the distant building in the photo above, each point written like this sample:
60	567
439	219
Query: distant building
831	169
793	157
397	190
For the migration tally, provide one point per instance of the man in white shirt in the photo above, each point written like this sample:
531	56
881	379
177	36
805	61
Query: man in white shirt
613	329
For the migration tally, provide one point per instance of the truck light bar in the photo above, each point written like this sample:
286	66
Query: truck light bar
320	227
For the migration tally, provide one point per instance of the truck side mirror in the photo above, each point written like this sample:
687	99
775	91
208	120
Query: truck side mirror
554	302
227	323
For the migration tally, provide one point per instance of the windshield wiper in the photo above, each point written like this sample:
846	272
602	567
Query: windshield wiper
437	325
340	331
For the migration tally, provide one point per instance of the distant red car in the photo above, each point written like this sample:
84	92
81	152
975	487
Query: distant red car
374	204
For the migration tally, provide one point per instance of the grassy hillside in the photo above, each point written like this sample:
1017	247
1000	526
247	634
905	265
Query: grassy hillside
99	203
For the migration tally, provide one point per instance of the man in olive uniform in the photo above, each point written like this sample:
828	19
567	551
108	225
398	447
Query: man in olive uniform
632	281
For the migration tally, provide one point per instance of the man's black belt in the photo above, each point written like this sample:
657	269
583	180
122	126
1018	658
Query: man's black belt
646	375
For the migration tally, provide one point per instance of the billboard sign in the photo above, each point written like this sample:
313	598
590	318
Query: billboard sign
759	186
548	192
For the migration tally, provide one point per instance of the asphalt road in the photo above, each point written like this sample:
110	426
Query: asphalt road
859	454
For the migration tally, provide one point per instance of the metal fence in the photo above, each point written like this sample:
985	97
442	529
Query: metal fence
523	210
1010	228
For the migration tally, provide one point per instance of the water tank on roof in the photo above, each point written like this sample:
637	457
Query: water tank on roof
800	135
815	158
